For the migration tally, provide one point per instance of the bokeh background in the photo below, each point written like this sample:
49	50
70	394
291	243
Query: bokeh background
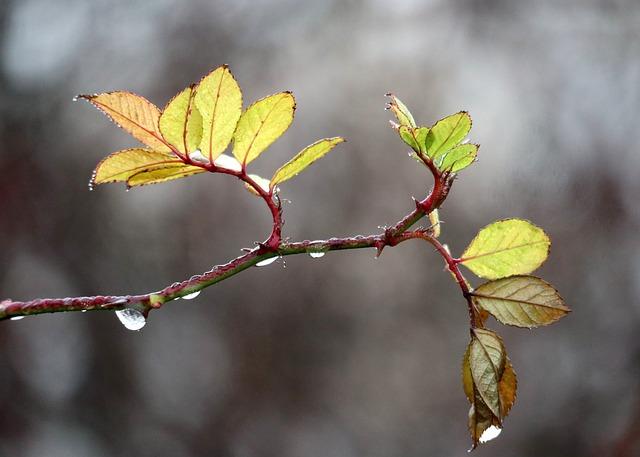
345	355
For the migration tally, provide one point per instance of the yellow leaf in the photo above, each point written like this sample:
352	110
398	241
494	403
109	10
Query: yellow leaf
523	301
121	165
219	100
156	175
261	124
181	123
434	219
303	159
401	111
505	248
133	113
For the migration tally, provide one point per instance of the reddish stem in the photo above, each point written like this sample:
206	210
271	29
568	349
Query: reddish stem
453	265
271	247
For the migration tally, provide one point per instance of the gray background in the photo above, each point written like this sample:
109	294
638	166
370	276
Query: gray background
345	355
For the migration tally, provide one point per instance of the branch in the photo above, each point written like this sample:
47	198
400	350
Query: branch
272	247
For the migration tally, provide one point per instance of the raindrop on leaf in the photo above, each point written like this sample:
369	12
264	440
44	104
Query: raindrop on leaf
490	433
17	318
197	156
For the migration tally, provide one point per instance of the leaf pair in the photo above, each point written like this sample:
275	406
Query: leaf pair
506	251
195	128
143	120
490	384
440	143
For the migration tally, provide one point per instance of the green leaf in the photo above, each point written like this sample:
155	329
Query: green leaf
481	416
446	134
505	248
261	124
121	165
523	301
487	361
181	123
420	134
458	158
219	100
414	138
467	378
132	113
480	420
303	159
401	112
408	136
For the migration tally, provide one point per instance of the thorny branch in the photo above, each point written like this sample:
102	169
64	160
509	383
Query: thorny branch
273	246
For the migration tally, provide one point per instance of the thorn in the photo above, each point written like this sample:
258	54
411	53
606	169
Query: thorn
379	247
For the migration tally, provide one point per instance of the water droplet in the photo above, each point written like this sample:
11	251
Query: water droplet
197	156
490	433
84	311
316	255
76	98
191	296
226	161
17	318
265	262
132	319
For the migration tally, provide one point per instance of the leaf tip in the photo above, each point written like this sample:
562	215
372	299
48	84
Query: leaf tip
87	97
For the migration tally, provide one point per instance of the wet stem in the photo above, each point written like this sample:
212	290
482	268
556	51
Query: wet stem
271	247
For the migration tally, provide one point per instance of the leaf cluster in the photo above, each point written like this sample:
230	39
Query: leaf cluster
190	135
505	252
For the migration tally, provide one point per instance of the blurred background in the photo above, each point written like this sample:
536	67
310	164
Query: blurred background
345	355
